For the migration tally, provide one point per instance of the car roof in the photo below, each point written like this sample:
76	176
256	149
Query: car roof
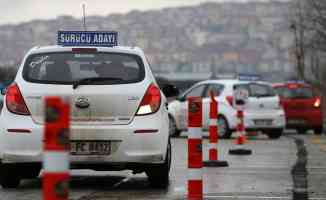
291	83
229	81
57	48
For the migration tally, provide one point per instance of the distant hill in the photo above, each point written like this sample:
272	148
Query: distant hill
231	37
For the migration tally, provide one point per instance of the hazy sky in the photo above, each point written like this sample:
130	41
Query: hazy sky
15	11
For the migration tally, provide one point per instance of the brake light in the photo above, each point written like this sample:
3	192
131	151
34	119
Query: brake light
151	101
230	100
317	103
84	50
15	101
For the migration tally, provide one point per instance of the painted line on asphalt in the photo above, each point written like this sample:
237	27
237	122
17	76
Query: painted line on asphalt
245	197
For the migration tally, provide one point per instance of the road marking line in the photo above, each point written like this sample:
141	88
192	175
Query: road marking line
246	197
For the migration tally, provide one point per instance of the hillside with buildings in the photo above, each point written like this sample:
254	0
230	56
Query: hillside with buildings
185	42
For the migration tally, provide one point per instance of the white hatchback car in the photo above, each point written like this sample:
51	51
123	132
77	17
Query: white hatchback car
263	111
124	109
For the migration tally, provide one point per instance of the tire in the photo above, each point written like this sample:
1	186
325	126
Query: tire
173	130
9	176
158	176
318	131
223	128
274	134
302	131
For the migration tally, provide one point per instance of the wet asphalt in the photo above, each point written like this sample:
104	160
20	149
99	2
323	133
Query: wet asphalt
292	167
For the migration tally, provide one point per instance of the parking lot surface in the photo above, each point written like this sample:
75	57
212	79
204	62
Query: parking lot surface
266	174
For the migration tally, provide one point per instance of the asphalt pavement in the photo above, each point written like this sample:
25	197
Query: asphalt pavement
266	174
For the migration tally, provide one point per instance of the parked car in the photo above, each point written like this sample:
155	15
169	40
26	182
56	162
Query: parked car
263	111
123	110
303	109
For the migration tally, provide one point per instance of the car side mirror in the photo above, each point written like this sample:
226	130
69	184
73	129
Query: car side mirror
3	91
170	90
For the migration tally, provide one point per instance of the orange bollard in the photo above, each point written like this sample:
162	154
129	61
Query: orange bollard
241	138
213	136
56	150
195	156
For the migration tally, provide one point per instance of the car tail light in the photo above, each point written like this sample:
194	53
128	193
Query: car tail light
15	101
84	50
230	100
317	103
151	101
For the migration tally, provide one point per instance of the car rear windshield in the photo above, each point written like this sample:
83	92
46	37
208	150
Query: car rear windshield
68	67
257	89
295	93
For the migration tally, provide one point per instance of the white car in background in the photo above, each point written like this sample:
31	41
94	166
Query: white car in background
125	111
263	112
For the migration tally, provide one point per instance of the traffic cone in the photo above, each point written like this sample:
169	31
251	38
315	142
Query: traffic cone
241	138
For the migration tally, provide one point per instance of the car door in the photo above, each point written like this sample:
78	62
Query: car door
196	91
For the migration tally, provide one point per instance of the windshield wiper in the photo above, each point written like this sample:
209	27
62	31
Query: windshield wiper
86	81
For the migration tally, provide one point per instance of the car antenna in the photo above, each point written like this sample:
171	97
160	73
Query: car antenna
84	17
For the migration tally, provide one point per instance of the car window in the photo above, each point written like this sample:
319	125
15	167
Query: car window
196	92
292	93
257	90
216	88
261	90
67	67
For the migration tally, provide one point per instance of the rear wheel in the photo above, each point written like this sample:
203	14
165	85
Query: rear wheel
318	131
9	176
275	133
223	128
173	130
158	176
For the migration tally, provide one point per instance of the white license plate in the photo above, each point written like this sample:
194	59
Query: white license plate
263	122
90	147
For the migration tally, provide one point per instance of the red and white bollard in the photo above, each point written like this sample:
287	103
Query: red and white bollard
241	134
56	150
195	156
213	136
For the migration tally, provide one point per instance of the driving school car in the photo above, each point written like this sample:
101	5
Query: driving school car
118	115
262	112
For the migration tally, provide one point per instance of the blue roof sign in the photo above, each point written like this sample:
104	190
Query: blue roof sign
249	77
88	38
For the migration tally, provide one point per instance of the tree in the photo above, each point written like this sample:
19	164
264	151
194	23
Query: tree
308	24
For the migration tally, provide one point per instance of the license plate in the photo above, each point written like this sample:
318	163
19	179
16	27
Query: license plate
90	147
296	121
263	122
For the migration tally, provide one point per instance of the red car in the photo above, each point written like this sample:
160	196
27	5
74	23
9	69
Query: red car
303	109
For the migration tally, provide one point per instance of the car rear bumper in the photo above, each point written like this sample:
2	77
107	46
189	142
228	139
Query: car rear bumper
275	118
127	146
304	119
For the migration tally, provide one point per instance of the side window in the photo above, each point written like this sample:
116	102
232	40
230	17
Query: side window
196	92
216	88
241	86
260	90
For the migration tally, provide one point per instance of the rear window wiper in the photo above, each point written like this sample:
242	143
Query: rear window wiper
86	81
